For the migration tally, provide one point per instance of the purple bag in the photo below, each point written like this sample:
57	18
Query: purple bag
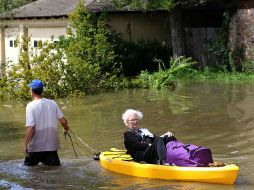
180	154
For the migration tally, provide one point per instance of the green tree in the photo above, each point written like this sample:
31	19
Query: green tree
167	4
6	5
91	58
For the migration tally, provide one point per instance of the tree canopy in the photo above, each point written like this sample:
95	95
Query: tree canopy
169	4
6	5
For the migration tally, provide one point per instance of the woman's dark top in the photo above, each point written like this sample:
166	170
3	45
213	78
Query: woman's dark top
135	144
139	149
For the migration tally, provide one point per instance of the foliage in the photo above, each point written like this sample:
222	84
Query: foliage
138	56
163	4
145	4
248	66
180	67
6	5
91	57
219	48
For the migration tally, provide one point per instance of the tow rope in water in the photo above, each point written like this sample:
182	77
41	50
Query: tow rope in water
96	154
67	134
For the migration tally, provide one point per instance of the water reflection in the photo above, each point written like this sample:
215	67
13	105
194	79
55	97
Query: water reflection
214	115
126	182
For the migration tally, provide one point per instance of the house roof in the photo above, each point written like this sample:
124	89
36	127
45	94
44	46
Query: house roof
43	9
58	8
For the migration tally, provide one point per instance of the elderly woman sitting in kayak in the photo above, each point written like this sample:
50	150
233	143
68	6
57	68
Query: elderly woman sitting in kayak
142	145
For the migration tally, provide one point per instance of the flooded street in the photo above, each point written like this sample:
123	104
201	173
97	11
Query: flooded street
218	116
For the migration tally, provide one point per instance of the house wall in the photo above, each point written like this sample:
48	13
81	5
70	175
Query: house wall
11	36
141	26
46	33
43	29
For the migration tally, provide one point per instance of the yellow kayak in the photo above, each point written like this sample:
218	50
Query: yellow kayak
120	162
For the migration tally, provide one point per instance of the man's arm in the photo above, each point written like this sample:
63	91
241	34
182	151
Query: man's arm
28	136
64	123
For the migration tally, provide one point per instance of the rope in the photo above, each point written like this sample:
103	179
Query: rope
67	134
90	148
96	155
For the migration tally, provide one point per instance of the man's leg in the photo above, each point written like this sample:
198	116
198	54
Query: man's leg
32	159
50	158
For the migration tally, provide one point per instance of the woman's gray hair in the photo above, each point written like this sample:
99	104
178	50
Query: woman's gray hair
128	112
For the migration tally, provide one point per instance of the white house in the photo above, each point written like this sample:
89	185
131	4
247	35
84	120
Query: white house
41	20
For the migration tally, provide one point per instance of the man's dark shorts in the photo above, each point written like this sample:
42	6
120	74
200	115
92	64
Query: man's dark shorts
49	158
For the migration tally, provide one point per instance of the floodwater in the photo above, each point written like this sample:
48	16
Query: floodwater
219	116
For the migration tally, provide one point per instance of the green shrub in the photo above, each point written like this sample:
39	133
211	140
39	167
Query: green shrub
180	67
92	63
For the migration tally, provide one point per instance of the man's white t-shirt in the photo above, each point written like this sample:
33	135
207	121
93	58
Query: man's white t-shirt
43	114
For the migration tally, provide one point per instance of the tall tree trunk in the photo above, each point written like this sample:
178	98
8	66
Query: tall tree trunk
177	33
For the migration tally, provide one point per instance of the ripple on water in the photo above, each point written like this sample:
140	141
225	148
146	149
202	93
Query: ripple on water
10	185
72	174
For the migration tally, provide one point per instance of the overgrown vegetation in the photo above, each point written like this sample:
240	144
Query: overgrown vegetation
219	49
166	4
182	68
6	5
165	77
92	63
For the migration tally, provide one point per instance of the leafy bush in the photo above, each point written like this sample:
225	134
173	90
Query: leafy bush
180	67
248	66
91	57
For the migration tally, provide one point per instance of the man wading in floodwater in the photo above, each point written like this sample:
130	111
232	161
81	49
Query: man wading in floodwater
41	138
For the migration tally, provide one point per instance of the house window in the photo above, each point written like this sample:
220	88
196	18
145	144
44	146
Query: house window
11	43
35	43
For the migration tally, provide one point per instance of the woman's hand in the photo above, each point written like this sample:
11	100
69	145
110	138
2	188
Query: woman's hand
169	134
